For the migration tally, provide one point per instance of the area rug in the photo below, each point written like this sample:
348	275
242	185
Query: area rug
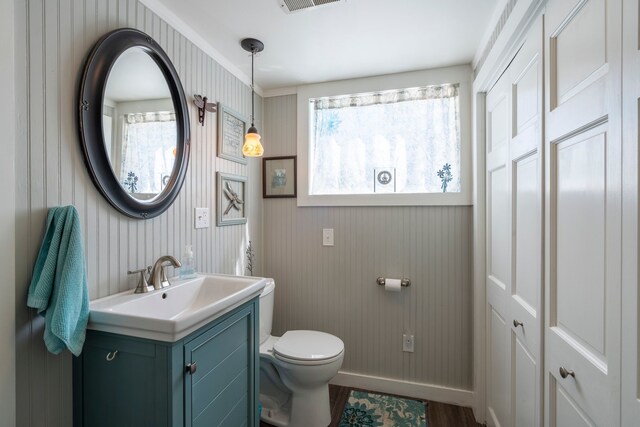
365	409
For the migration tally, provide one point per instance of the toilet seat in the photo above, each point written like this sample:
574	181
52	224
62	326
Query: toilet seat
308	347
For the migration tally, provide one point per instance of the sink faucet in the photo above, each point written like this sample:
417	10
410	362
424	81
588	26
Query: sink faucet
158	277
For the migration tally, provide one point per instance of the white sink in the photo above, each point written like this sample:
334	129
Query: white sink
174	312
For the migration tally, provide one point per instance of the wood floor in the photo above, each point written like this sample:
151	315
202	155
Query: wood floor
438	414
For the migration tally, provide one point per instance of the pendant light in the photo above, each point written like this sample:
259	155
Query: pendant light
252	146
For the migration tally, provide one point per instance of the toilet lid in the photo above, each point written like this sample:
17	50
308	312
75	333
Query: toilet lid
308	345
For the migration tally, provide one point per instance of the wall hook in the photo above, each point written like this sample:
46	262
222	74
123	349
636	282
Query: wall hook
202	104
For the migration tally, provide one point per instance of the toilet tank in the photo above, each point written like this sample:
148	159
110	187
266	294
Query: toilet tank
266	310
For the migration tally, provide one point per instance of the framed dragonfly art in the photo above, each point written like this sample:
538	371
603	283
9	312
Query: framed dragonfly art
231	208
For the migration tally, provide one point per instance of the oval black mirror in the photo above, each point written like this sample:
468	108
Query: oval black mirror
134	123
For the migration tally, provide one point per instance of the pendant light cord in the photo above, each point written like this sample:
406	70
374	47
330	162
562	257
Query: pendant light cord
253	94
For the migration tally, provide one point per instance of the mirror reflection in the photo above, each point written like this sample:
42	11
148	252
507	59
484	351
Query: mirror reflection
139	125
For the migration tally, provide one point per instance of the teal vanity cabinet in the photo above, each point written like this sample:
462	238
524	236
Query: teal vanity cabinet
208	378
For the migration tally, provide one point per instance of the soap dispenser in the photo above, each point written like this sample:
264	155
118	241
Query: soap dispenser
188	269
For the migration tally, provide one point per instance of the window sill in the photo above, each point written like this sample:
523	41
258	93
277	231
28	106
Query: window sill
430	199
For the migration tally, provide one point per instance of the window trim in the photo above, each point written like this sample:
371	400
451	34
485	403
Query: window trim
458	74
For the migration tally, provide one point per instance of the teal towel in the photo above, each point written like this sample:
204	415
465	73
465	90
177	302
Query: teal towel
58	287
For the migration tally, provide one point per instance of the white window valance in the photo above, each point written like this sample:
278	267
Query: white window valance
387	97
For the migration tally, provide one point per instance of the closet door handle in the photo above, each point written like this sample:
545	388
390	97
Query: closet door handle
564	372
517	323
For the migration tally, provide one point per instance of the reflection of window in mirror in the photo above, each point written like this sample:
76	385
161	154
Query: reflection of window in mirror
144	131
147	142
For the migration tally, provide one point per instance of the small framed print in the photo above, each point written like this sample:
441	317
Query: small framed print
232	127
384	180
231	208
279	177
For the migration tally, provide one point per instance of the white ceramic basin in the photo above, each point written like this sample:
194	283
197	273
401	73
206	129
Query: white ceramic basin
172	313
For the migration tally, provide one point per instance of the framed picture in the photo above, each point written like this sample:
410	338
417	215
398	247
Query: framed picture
232	127
231	208
279	176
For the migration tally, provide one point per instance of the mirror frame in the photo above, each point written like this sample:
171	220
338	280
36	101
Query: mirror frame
101	59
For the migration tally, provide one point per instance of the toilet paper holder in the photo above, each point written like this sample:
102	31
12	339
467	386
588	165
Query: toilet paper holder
404	282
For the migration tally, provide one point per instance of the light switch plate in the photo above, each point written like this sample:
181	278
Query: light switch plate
202	218
327	237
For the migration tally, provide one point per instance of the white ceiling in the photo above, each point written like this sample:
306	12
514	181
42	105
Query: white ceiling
354	38
134	77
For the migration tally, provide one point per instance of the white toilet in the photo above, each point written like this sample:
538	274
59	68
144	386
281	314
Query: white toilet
295	371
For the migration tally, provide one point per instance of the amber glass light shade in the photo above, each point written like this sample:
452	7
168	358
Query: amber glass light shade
252	146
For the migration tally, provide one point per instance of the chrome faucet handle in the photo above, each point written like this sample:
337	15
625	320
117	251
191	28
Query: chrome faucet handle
143	286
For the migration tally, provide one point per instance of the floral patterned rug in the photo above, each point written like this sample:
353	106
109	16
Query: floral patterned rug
380	410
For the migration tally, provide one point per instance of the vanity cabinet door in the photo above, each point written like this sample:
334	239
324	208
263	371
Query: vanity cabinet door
220	374
124	383
206	379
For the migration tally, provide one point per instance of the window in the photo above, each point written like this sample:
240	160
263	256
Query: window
397	141
389	146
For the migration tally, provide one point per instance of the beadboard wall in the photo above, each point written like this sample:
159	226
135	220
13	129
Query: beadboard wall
7	219
52	40
333	289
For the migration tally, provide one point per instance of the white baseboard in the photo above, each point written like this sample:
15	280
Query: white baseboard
405	388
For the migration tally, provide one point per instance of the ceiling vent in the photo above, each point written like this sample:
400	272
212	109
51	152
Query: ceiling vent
293	6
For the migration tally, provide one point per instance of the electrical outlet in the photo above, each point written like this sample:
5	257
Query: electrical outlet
327	237
202	218
408	341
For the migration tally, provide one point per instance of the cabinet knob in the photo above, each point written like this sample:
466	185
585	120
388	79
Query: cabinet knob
517	323
111	355
192	368
564	372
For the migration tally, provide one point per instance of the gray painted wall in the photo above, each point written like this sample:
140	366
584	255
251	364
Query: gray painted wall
7	218
333	289
52	39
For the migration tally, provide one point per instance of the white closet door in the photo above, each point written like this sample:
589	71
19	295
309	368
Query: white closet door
583	218
498	286
526	169
630	292
514	244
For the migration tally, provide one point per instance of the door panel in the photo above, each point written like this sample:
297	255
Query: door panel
579	53
525	302
498	255
526	184
527	89
579	62
630	283
588	389
580	240
499	236
498	398
514	239
568	413
498	126
524	373
526	289
583	212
